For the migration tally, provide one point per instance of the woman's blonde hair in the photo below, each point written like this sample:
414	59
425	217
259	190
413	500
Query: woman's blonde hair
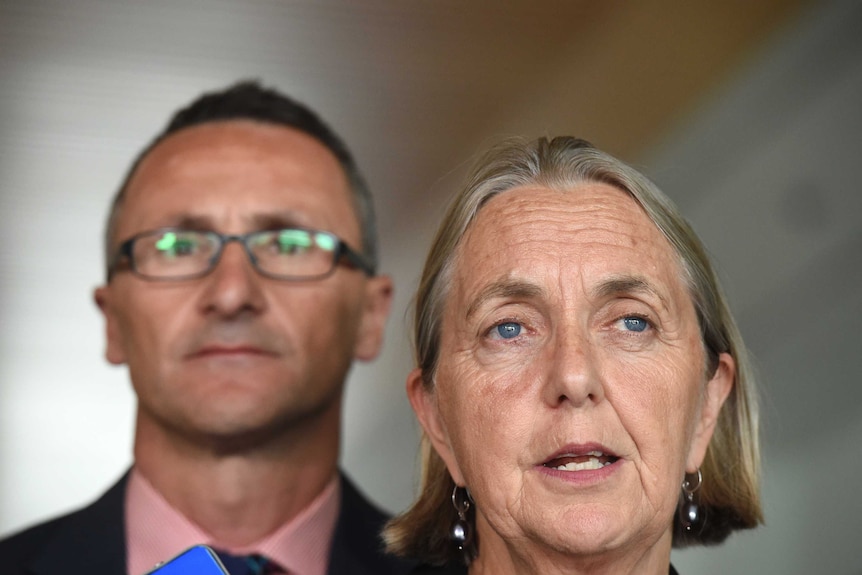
731	470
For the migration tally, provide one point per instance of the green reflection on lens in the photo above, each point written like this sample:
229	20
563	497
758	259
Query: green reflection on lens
325	242
294	239
167	242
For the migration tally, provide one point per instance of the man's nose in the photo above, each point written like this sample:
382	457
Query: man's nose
233	286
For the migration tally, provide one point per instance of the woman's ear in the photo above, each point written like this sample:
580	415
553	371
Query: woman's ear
717	390
424	402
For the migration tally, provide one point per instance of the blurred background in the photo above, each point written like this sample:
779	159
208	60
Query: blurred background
748	114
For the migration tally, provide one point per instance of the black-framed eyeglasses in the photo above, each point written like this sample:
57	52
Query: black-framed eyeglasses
286	254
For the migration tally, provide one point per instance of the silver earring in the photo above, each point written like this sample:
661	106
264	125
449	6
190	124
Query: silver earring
691	516
462	530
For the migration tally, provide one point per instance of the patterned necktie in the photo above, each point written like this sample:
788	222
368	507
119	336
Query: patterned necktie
248	564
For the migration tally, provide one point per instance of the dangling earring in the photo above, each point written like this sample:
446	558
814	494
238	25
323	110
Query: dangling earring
462	530
691	516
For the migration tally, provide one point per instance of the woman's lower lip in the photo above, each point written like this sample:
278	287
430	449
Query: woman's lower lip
584	476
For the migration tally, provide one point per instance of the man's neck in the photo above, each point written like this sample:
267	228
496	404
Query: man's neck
238	496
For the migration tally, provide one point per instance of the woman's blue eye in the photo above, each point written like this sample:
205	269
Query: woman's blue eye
509	330
635	323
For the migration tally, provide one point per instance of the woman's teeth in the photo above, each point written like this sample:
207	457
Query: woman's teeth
586	462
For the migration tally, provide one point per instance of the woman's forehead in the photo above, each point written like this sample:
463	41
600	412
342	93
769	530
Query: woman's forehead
593	233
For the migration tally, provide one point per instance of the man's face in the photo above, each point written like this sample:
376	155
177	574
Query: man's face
236	355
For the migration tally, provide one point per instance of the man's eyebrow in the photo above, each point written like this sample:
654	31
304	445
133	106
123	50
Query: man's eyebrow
271	221
262	221
506	289
620	286
190	222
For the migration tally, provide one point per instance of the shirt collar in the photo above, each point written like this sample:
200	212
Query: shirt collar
155	531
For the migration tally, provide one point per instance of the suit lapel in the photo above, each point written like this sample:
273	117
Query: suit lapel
357	548
89	542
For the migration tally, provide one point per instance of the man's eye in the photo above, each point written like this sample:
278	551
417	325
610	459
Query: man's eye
508	330
634	323
293	242
172	244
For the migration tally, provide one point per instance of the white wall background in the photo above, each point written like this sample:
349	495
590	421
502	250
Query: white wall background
767	171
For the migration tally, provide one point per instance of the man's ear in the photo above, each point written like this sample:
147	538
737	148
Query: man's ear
424	402
717	390
114	350
378	300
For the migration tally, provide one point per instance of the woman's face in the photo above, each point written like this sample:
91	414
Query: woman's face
571	393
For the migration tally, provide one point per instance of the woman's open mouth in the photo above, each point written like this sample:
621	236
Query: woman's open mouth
588	461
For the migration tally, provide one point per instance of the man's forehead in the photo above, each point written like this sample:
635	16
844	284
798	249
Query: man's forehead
246	171
241	141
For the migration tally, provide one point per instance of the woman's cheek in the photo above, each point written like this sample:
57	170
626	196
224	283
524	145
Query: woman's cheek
485	405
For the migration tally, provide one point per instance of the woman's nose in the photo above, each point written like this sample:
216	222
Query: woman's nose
573	376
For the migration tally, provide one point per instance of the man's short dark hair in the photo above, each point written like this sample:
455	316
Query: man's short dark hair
248	100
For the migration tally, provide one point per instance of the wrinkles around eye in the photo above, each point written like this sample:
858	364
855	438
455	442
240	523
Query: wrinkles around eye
632	332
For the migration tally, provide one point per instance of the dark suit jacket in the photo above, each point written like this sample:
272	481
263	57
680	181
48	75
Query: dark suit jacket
92	541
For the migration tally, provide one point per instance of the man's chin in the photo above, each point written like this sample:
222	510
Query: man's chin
234	429
228	436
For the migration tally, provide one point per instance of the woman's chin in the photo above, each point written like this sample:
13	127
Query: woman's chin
597	522
587	542
585	531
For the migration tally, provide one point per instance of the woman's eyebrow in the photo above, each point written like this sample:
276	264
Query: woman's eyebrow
628	285
504	289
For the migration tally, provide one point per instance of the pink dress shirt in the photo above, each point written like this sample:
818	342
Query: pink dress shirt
155	532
